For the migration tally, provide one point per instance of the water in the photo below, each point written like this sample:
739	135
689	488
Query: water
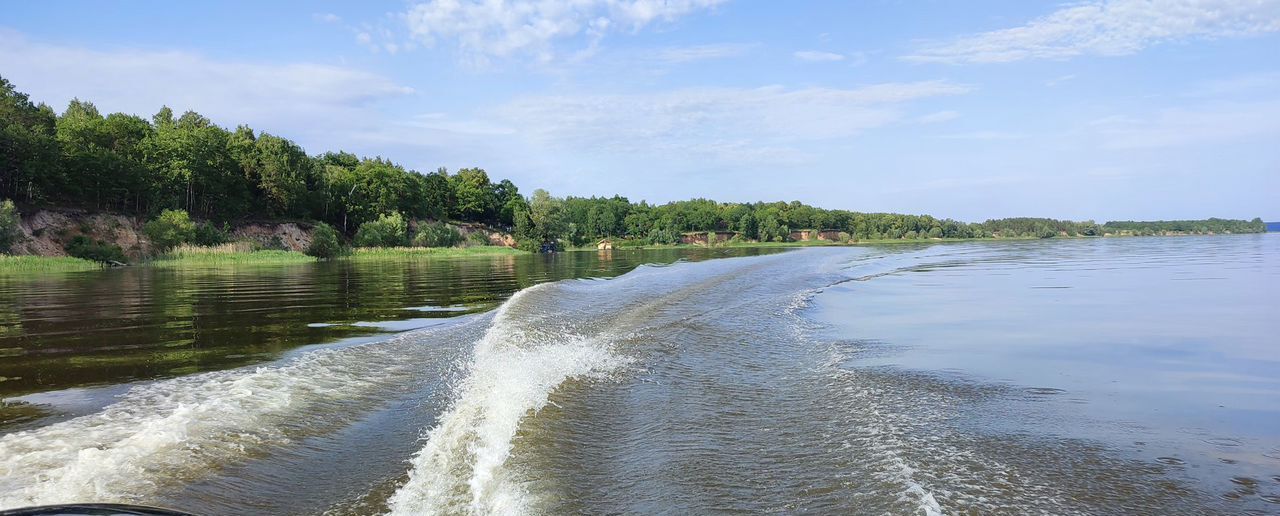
1081	376
61	333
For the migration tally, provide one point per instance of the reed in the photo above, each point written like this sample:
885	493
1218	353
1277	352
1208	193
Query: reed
233	253
10	264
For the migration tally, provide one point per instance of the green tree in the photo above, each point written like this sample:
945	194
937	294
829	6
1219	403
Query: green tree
208	234
96	250
10	224
437	195
192	167
29	160
389	230
475	196
747	226
282	168
437	234
171	228
544	222
325	242
770	229
509	200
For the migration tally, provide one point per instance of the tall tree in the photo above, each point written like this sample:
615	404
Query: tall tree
28	146
474	195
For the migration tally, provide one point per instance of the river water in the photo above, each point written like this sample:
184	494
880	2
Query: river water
1132	375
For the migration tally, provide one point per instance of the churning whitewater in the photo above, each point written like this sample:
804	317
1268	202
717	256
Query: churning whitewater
690	388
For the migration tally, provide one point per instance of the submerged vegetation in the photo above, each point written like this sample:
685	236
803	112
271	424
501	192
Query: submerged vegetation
194	178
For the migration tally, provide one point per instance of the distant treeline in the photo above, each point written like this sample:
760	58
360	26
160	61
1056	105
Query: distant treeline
581	220
125	163
1187	226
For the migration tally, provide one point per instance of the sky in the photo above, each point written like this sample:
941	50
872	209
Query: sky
1103	110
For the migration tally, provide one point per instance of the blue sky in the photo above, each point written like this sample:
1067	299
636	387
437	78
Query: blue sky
1110	110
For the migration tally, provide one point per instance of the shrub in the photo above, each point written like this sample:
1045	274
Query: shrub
664	236
82	247
208	235
844	237
478	239
437	234
275	244
388	231
9	222
325	243
171	228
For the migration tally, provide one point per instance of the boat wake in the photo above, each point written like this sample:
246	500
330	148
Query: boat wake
701	387
513	371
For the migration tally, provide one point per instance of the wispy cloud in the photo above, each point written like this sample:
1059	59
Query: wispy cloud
937	117
295	95
1246	85
1212	123
985	136
738	125
680	55
482	30
818	56
1059	80
326	17
1114	28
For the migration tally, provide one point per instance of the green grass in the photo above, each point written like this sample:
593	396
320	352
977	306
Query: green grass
383	253
227	254
10	264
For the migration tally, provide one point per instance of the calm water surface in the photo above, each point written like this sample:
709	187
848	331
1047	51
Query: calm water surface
1061	377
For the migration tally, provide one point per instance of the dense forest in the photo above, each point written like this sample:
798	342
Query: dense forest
124	163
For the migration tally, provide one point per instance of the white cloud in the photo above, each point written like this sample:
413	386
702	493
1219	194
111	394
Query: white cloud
985	136
680	55
277	96
1248	85
818	56
937	117
735	125
1114	28
507	28
1213	123
1059	80
326	17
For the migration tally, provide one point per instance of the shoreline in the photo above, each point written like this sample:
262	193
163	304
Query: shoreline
13	265
898	241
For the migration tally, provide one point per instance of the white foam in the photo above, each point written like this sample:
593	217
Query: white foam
166	431
512	375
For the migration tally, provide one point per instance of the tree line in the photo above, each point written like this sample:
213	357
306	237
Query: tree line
581	220
125	163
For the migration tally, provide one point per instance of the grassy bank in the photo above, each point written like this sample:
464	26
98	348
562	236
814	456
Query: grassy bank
241	253
386	253
237	253
37	264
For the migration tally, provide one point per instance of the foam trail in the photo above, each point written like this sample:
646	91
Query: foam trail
171	431
514	370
